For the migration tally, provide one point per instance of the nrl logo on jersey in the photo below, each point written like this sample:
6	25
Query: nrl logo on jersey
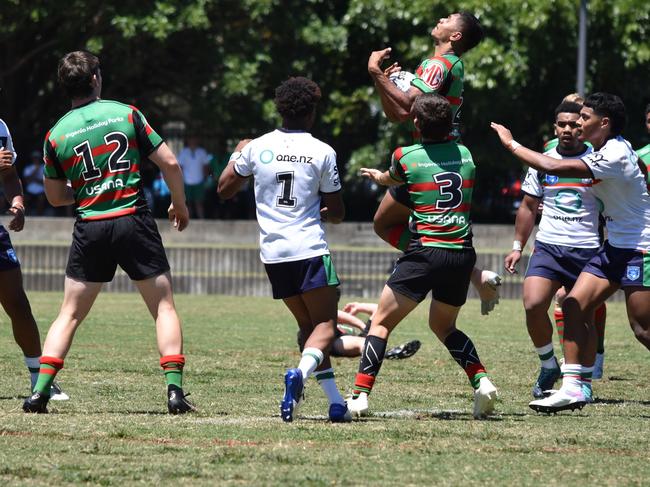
105	186
633	272
551	180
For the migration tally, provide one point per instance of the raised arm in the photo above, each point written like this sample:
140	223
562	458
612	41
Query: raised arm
395	102
559	167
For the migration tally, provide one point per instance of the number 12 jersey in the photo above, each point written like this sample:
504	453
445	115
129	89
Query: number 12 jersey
291	170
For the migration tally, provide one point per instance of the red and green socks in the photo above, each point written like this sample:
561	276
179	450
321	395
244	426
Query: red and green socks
50	366
173	365
559	324
372	357
462	349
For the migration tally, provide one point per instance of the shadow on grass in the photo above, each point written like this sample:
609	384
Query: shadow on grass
423	415
602	400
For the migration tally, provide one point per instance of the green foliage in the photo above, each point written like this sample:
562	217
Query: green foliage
215	63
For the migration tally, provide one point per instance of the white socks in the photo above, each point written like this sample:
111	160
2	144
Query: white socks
326	380
546	356
34	365
310	360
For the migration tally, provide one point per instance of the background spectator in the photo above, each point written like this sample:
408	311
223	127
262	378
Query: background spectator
33	184
195	162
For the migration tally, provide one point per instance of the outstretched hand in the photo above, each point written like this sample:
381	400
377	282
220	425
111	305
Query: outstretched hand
503	132
372	174
375	60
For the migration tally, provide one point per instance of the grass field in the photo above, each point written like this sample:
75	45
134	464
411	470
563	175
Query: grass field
115	429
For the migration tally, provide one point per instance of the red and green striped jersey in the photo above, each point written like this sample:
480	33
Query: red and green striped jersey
99	147
443	75
440	181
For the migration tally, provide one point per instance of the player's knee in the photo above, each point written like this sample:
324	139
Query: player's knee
533	305
641	331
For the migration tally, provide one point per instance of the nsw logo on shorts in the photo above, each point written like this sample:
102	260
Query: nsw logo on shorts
12	255
633	272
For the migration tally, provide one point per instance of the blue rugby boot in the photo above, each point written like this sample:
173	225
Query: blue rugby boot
339	413
546	380
293	394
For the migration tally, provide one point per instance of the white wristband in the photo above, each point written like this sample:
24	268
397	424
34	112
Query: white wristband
516	245
514	145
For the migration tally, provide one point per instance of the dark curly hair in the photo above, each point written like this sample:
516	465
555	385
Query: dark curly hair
434	116
568	107
296	98
75	73
610	106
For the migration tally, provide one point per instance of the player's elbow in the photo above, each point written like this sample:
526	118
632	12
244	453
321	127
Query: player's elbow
336	216
56	201
226	189
380	228
400	116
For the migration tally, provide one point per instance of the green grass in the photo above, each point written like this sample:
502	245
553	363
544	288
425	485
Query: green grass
114	430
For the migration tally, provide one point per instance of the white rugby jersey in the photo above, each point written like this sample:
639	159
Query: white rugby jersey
620	184
5	139
291	169
570	214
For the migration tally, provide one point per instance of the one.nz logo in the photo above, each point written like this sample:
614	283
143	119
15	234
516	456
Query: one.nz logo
633	272
266	156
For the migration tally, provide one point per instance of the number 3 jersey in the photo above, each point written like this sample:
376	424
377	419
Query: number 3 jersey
440	181
291	169
99	148
570	214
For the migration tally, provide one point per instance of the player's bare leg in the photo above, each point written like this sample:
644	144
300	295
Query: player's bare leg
78	298
25	331
315	312
442	321
16	305
158	296
638	312
348	346
580	343
538	294
393	308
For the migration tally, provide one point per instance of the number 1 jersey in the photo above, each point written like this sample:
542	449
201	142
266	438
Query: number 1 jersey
291	170
99	148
